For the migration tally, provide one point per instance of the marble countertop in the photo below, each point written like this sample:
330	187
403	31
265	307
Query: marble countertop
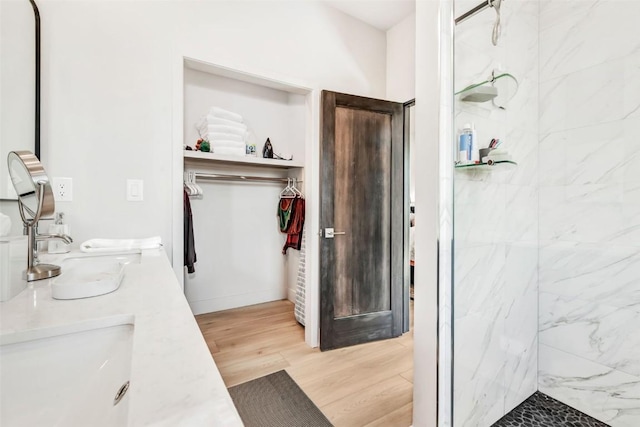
174	380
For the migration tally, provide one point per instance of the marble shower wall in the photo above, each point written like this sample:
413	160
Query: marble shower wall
496	223
589	274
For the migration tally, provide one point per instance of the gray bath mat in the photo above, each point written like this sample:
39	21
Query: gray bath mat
276	400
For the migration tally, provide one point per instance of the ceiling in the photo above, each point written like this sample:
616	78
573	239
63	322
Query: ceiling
382	14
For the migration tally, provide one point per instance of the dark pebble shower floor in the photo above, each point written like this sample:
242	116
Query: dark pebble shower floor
540	410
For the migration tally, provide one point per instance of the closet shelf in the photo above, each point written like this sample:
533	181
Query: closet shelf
501	165
239	160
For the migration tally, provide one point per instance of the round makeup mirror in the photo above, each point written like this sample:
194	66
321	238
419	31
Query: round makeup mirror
35	202
32	186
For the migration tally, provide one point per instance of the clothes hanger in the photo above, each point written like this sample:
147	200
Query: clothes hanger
288	189
187	186
285	189
199	190
192	188
295	188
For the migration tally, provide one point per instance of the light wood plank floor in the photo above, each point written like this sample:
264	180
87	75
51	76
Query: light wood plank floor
364	385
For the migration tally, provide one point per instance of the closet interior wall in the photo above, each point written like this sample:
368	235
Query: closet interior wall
237	239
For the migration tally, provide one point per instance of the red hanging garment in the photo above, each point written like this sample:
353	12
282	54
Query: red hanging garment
296	225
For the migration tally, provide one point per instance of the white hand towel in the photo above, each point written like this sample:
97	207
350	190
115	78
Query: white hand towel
226	129
120	245
221	136
230	151
225	114
213	120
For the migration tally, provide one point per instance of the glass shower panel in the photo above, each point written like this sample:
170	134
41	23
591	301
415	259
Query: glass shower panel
495	304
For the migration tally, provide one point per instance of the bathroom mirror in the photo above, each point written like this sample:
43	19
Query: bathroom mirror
31	184
19	75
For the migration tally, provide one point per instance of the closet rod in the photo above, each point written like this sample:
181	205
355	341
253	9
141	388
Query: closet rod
219	177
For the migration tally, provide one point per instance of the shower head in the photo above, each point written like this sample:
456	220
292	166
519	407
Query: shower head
496	26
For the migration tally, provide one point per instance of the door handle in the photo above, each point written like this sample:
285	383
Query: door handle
329	233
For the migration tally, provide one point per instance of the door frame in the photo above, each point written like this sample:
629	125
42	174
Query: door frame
406	302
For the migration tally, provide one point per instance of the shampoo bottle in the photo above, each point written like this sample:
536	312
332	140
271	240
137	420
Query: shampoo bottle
464	147
59	227
475	152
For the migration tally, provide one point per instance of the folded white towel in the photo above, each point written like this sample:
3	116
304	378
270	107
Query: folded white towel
213	120
221	136
230	151
120	245
225	114
226	129
229	144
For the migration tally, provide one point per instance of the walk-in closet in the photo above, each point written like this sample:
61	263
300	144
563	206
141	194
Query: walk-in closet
234	199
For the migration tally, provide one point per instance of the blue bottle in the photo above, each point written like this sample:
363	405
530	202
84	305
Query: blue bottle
465	141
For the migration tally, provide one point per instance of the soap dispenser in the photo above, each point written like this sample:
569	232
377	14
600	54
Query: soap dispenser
59	227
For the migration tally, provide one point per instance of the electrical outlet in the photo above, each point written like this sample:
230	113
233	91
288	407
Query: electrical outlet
63	189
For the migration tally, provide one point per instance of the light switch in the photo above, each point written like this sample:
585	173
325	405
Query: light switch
135	189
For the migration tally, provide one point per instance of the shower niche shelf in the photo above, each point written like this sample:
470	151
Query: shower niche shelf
502	165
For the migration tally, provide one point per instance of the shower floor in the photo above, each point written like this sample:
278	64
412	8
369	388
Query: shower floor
540	410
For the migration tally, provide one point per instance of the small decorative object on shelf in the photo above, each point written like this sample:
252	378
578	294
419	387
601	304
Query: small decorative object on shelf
251	150
202	145
267	150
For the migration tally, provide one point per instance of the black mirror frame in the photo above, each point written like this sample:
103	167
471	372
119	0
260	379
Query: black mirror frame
36	13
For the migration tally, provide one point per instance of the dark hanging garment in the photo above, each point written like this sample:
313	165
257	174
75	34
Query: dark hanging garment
190	257
296	225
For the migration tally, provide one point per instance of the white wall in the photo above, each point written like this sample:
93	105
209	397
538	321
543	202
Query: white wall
107	79
401	73
401	60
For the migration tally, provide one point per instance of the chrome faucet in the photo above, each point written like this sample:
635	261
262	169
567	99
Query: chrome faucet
45	237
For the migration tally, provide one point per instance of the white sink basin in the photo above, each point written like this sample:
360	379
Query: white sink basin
66	376
90	276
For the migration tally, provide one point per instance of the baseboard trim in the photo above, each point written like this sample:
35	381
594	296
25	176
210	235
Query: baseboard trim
235	301
291	295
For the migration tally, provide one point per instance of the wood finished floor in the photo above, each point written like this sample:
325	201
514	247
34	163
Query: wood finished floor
364	385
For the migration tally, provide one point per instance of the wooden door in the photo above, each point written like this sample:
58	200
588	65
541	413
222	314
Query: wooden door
362	220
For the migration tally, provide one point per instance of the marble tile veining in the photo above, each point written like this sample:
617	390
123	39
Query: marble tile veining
603	334
579	34
600	391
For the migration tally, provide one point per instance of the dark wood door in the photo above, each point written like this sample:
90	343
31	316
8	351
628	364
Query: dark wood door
362	202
